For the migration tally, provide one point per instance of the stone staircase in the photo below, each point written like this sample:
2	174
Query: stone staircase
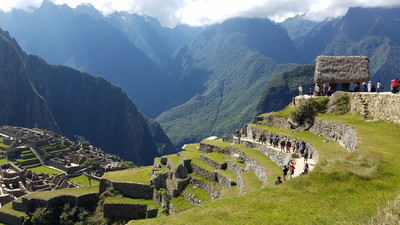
364	111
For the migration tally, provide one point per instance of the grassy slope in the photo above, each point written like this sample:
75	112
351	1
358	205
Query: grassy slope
343	188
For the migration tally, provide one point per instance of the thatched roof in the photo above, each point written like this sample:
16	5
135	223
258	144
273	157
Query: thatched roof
341	69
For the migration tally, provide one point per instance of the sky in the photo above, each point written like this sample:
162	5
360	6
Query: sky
204	12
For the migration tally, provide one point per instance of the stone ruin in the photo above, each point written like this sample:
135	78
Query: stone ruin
16	182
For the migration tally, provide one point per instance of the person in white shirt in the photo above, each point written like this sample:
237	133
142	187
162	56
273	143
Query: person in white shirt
369	86
300	90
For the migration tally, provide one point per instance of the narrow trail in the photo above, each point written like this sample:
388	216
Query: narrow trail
299	162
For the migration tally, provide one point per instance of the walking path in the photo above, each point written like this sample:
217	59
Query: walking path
299	162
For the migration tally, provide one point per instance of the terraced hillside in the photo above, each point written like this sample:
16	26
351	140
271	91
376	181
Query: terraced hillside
220	182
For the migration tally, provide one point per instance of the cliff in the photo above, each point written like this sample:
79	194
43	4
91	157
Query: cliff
76	103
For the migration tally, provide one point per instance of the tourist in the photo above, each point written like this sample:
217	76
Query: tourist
284	172
310	92
300	90
316	89
264	139
276	140
395	85
369	86
277	182
254	136
306	155
306	169
260	138
355	87
271	139
288	145
291	168
297	146
373	89
378	86
364	87
283	146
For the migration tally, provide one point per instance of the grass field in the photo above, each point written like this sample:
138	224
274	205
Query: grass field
70	191
84	181
44	169
136	175
344	188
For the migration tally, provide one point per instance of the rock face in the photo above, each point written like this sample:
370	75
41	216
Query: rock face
58	98
20	103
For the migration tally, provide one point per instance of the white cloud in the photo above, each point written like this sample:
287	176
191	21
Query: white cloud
199	12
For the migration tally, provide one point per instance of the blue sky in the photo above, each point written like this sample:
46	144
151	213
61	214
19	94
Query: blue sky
202	12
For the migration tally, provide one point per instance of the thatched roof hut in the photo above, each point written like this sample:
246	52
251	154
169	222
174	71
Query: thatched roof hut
341	69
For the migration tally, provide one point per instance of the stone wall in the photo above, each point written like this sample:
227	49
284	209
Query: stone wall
251	164
235	168
207	148
274	121
128	189
122	211
215	193
11	219
383	106
343	134
211	176
213	163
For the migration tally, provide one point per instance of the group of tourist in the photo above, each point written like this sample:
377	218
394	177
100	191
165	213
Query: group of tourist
290	168
325	90
369	87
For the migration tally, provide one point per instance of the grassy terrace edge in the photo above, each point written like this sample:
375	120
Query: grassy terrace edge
343	188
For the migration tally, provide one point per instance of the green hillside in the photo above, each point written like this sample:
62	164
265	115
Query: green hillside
343	188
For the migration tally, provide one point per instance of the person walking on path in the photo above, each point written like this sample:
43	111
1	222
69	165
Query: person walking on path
284	172
288	145
306	155
291	168
282	146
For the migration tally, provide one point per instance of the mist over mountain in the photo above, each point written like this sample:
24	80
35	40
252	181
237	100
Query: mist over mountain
59	98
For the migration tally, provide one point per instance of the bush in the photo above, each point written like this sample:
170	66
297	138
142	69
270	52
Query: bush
343	104
308	109
42	217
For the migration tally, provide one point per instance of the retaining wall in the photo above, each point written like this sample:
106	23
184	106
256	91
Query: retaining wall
251	164
207	148
343	134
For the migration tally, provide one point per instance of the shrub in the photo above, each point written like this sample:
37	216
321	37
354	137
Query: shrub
42	217
343	104
12	153
308	109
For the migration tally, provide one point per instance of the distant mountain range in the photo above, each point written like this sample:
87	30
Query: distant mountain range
59	98
204	81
